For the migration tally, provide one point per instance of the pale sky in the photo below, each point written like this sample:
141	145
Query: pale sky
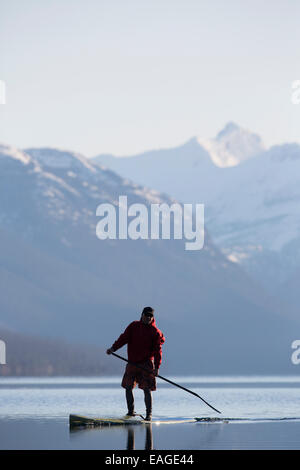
125	76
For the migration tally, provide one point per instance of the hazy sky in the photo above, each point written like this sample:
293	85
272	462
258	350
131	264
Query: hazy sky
123	76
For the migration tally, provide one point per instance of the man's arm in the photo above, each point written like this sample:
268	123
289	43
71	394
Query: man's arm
159	340
123	339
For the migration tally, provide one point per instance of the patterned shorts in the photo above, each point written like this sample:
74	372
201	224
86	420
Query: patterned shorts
134	376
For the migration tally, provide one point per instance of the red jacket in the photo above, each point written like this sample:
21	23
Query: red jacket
143	342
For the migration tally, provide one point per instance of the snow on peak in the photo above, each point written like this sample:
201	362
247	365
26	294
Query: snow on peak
228	129
232	145
7	151
60	159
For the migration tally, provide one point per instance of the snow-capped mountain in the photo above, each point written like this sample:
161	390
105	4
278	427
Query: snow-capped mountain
232	146
8	154
58	279
60	159
254	214
251	195
189	171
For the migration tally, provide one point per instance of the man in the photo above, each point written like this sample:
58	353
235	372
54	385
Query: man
144	341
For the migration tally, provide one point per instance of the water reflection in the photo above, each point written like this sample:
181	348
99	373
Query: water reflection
148	438
131	430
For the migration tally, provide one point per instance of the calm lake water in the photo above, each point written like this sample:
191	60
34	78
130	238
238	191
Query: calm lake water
34	413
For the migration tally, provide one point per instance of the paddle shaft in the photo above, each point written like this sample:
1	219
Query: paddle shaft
166	380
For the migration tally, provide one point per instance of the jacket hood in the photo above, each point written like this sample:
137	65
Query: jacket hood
162	338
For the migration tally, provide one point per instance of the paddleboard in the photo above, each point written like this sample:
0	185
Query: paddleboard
212	420
77	420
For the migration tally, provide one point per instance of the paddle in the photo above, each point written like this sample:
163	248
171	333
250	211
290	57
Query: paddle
167	380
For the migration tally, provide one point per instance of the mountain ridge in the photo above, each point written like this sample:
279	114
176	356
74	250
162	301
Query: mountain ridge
250	207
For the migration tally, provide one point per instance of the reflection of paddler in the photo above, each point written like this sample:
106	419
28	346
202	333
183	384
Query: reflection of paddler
130	438
144	341
148	438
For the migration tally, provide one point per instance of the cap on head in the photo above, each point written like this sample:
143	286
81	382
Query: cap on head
148	311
